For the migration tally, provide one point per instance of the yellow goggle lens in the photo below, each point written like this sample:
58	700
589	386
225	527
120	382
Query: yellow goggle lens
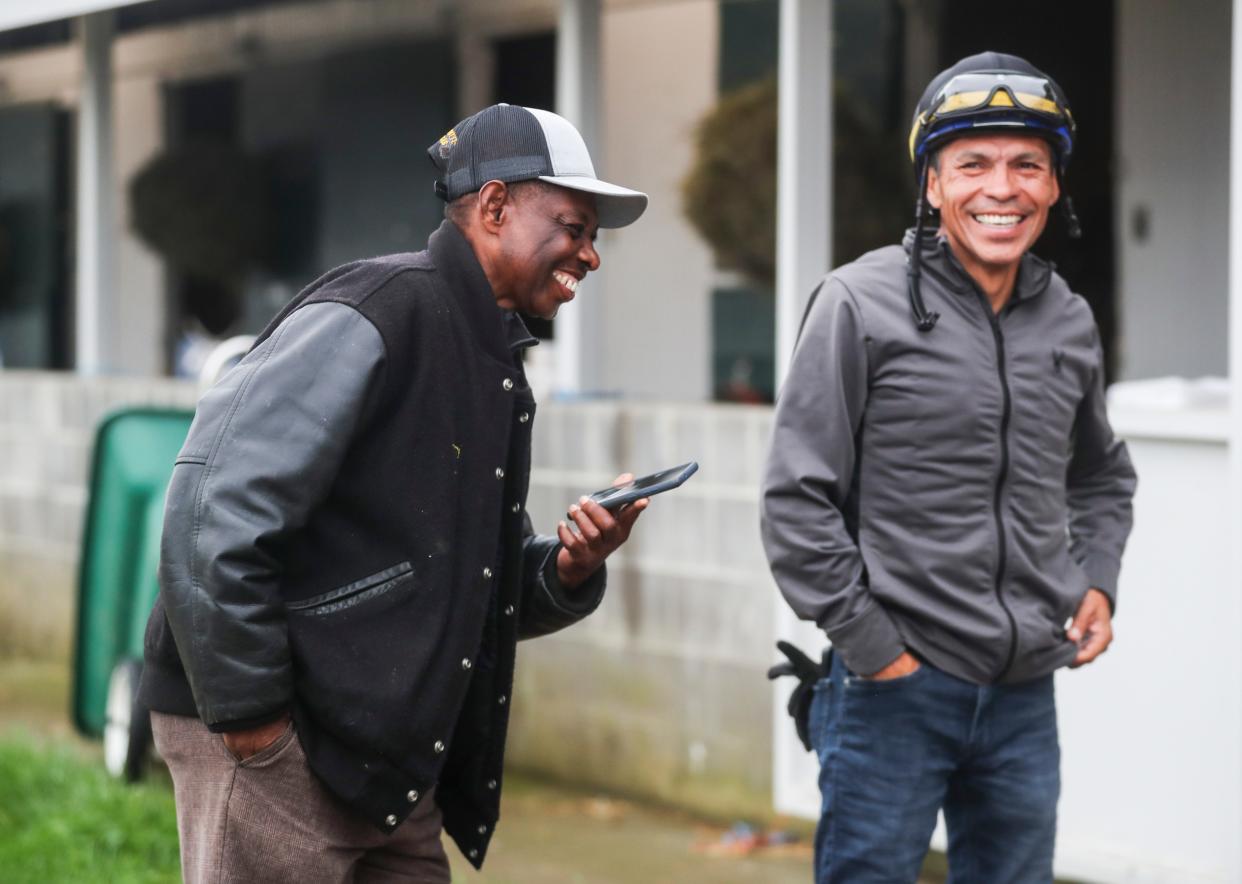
1000	98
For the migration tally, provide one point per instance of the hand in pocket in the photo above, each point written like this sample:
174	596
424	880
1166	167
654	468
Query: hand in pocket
250	742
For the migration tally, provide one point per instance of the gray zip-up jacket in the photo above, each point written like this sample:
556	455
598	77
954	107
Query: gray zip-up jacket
956	492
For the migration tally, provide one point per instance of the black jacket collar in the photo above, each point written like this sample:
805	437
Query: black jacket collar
499	332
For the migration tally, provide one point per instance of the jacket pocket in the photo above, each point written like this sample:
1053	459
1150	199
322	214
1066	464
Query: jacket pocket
355	593
364	657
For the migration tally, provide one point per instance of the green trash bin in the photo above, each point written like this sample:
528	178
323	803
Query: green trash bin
117	579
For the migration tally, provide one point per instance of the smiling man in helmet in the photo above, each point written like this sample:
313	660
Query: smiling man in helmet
946	499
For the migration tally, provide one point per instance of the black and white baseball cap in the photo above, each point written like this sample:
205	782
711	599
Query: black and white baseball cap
507	143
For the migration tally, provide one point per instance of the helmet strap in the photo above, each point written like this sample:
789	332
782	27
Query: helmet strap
1073	227
922	319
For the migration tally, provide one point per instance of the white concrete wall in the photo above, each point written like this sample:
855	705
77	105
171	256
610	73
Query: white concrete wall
658	79
661	693
1172	163
1150	733
47	429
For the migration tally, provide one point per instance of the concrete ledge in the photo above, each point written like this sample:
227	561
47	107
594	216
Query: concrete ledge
689	733
47	428
661	693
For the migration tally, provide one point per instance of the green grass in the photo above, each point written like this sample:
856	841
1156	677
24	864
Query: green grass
62	818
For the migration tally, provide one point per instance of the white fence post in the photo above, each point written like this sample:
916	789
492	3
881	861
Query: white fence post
96	240
578	365
803	255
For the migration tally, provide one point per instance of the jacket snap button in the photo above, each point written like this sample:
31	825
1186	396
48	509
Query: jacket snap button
390	820
507	384
466	664
500	473
412	795
487	573
482	830
524	417
439	747
502	700
508	610
517	507
473	853
491	784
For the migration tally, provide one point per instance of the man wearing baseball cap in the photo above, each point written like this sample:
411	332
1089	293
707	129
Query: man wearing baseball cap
945	498
347	562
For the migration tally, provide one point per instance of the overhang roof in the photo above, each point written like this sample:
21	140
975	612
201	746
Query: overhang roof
21	13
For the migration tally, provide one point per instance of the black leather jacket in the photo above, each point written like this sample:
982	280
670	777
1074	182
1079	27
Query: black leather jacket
345	537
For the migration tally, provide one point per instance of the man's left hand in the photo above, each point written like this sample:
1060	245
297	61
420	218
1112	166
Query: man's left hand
599	534
1092	629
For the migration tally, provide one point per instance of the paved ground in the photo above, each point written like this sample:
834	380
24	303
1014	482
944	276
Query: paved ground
548	834
552	836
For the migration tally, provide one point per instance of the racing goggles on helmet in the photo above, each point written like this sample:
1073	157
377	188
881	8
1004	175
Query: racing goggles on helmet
989	100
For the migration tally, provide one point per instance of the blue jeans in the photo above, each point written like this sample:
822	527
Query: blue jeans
893	753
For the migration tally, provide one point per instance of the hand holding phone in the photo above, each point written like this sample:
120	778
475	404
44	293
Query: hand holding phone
592	533
617	496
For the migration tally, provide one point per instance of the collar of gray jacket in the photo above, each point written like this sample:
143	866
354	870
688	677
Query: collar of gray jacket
1034	273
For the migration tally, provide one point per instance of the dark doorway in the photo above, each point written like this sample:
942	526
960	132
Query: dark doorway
35	300
525	70
1081	59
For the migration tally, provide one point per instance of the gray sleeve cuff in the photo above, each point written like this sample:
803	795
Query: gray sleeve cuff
869	642
1102	571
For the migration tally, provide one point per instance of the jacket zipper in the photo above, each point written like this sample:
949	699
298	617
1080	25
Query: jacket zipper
1002	552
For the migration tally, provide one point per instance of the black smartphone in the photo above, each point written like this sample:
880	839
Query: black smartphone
612	499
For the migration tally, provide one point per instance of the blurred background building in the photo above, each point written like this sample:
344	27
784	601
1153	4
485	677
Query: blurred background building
173	171
241	147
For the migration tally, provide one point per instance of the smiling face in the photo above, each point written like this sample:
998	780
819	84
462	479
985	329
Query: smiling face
544	248
994	193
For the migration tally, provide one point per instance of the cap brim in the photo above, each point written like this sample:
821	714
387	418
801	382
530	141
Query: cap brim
614	206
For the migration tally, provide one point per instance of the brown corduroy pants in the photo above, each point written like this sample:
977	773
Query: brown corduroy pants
268	819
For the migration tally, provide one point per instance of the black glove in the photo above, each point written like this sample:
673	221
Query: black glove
808	672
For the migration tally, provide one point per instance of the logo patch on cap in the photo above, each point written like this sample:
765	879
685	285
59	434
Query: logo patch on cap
448	141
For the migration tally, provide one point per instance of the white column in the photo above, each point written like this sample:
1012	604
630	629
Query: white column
803	165
578	324
1231	595
803	241
476	66
95	239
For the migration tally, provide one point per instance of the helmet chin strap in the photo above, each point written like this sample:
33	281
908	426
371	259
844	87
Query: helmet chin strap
1071	218
1073	228
924	320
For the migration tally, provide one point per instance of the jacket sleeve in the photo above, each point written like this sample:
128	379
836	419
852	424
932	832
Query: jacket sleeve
810	469
546	605
263	450
1100	485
